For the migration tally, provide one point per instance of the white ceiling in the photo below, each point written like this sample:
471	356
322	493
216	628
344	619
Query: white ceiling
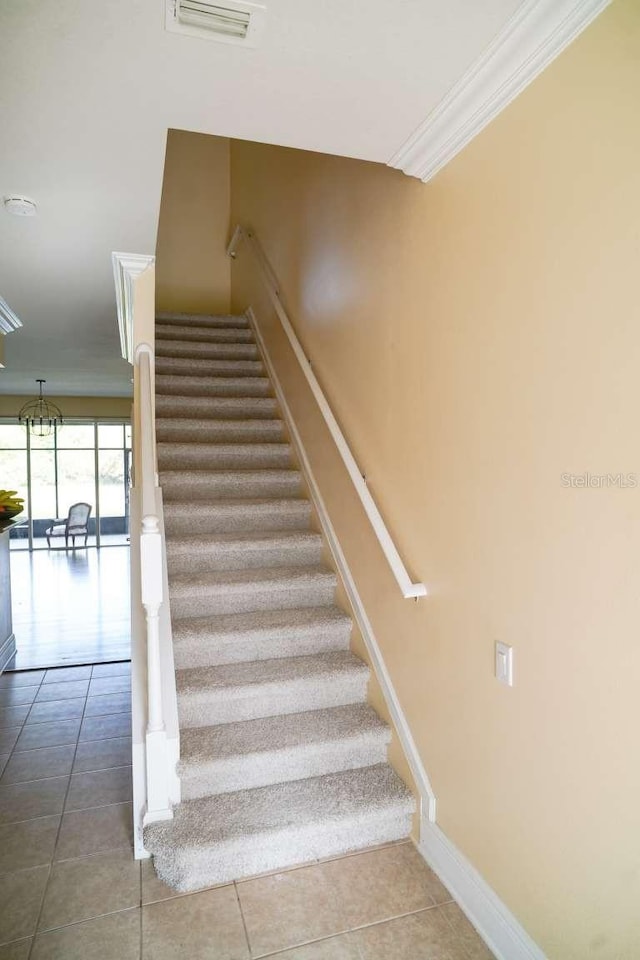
89	89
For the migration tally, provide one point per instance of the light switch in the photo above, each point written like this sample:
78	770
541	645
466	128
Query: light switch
504	663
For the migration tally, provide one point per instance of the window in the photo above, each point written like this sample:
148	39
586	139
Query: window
82	461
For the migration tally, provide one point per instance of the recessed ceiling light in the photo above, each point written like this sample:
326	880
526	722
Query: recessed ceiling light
20	206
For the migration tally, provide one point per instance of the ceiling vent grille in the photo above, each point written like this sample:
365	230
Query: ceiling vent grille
8	320
230	21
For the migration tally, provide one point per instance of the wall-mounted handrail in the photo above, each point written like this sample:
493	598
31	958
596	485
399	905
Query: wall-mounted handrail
408	588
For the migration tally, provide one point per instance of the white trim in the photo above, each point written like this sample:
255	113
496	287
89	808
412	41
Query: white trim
533	37
408	588
7	650
8	319
427	796
126	268
495	923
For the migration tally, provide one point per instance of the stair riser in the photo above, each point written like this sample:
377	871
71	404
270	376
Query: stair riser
240	858
179	456
209	487
236	518
171	332
190	386
274	699
216	408
211	651
194	320
174	366
220	431
216	599
260	770
202	351
212	556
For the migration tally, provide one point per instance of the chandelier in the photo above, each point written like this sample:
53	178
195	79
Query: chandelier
40	416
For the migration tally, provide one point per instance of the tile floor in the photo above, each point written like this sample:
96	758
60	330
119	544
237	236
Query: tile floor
71	890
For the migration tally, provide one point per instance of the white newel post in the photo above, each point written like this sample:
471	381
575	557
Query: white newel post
158	805
155	728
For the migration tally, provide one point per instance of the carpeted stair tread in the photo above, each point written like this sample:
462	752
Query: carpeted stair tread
232	692
243	551
214	386
240	591
243	514
204	484
282	760
202	334
216	456
260	635
201	320
171	430
185	367
255	753
242	408
229	679
234	835
200	745
201	351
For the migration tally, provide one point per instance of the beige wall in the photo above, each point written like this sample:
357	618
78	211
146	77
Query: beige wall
192	269
93	407
478	337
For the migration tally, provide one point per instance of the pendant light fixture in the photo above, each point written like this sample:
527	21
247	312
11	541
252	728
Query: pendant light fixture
40	416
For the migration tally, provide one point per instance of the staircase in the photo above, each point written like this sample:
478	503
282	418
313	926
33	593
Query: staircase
282	760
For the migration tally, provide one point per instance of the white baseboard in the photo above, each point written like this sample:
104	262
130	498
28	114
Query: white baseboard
7	650
426	794
494	922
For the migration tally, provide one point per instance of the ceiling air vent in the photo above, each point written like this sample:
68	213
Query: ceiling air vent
230	21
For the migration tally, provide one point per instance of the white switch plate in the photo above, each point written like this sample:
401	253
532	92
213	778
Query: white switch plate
504	663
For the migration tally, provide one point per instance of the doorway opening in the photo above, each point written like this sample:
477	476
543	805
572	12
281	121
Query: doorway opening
69	601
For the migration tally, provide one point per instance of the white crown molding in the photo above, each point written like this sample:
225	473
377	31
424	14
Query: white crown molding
533	37
8	320
500	930
127	267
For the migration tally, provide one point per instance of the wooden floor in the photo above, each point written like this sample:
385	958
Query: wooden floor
70	607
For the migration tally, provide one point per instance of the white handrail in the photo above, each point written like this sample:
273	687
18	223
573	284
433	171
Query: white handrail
408	588
158	806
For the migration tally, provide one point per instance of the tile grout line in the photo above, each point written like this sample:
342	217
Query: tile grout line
22	726
46	746
55	846
313	863
467	951
46	816
15	783
50	864
342	933
244	922
76	923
